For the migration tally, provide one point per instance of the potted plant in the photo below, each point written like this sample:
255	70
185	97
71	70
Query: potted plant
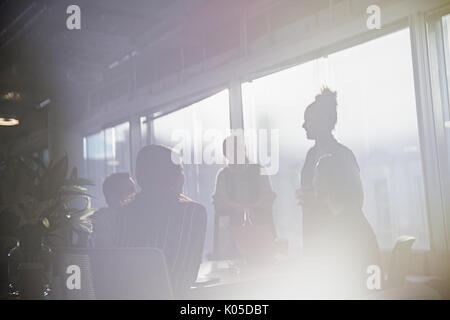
41	206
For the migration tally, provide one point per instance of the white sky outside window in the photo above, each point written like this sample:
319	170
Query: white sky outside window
195	120
376	119
106	152
94	158
144	131
117	141
446	29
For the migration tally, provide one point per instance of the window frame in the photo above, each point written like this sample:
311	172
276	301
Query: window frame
438	96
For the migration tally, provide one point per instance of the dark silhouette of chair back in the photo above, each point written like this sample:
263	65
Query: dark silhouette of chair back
66	258
400	260
125	273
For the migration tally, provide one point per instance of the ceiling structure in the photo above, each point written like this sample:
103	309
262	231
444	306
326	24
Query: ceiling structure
41	60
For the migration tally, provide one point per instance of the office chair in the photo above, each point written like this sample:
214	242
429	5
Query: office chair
125	273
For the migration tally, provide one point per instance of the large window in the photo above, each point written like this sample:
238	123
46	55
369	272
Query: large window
104	153
376	119
194	124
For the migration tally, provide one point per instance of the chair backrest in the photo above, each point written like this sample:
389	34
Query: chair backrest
73	266
122	273
400	259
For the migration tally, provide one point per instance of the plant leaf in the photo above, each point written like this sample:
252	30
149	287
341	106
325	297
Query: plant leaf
82	214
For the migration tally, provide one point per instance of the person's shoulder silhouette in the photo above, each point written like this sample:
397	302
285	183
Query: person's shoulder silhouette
161	216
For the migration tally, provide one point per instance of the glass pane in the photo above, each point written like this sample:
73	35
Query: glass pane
376	119
110	151
144	131
117	143
193	124
106	152
446	29
122	141
94	158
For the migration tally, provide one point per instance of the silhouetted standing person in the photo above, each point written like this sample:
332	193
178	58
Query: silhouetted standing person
244	194
347	243
319	121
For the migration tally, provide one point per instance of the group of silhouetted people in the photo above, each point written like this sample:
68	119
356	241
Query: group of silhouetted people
335	230
159	216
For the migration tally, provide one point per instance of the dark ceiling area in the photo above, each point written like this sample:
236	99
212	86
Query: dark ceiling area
42	60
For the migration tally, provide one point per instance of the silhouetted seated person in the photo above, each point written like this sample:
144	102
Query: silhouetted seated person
346	242
161	216
245	195
118	189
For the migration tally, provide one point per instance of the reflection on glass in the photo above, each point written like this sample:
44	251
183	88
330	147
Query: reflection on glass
376	119
195	120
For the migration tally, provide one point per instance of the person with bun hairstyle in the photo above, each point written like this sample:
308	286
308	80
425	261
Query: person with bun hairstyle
331	195
347	244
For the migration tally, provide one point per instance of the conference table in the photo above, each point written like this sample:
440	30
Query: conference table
289	279
280	279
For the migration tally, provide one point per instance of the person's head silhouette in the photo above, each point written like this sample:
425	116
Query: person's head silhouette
321	116
118	189
159	170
